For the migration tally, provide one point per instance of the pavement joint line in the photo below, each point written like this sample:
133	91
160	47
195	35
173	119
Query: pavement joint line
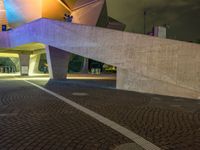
8	114
124	131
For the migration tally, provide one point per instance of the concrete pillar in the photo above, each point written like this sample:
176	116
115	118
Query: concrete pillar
16	61
24	64
34	64
58	61
85	65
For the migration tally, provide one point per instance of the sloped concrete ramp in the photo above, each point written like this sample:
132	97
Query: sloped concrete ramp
145	64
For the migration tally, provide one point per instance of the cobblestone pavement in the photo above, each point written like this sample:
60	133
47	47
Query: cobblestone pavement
31	119
172	123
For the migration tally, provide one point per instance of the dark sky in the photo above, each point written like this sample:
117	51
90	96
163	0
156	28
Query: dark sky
182	16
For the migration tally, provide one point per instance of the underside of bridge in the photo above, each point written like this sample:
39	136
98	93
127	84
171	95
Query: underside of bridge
144	63
24	59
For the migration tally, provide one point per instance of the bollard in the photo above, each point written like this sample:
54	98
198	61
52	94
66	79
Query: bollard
97	71
6	69
93	70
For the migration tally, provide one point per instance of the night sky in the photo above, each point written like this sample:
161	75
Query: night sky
182	16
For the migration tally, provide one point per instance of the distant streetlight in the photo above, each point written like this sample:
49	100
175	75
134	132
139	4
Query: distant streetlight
145	14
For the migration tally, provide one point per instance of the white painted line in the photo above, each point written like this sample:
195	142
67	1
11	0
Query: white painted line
80	94
8	114
127	133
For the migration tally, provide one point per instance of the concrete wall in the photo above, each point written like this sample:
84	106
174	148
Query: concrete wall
4	39
130	80
89	14
162	63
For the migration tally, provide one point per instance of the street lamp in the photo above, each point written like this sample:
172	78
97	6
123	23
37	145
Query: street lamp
145	14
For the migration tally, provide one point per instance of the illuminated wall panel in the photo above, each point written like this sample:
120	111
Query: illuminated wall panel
22	11
89	14
3	20
53	9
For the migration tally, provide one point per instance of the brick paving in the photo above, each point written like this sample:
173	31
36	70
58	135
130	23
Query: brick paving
172	123
31	119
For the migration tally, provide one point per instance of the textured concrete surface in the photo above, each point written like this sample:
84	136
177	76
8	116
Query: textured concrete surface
58	61
89	14
128	79
34	64
172	123
31	119
24	62
164	63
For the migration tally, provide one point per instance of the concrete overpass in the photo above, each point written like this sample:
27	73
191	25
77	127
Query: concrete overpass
31	52
144	63
16	13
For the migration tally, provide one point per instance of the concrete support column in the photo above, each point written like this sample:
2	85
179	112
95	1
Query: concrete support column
58	61
85	65
34	64
16	61
24	64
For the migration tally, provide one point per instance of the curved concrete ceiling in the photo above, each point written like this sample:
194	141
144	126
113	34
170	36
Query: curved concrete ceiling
23	11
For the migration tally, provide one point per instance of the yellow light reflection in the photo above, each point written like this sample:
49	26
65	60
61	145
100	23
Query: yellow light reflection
8	55
63	4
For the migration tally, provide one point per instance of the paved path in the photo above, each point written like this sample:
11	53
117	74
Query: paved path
172	123
33	119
